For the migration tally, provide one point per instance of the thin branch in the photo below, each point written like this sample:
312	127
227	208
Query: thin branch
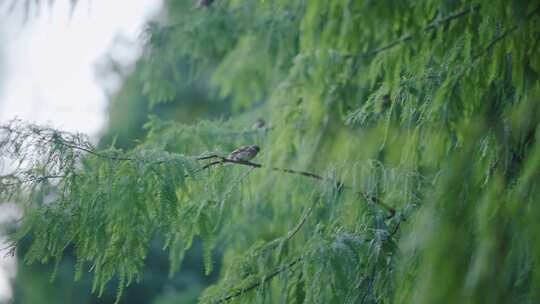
223	160
375	200
10	250
33	179
300	224
387	47
304	173
91	151
288	266
401	219
217	160
435	24
208	157
260	282
506	33
49	135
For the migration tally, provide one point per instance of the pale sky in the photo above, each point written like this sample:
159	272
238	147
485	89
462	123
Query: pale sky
49	77
50	72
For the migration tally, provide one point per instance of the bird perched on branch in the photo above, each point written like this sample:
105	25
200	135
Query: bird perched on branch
244	153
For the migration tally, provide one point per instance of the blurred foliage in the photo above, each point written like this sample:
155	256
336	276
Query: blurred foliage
33	283
129	107
417	122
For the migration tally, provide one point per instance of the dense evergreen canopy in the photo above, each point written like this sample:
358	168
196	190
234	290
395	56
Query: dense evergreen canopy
399	161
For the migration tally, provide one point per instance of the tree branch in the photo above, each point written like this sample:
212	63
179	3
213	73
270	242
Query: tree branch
288	266
260	282
33	179
53	137
63	143
435	24
300	224
223	160
506	33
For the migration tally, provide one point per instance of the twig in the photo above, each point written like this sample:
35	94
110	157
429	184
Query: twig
218	160
10	250
304	173
90	151
431	26
222	160
33	179
375	200
264	279
396	228
210	165
208	157
51	136
300	224
506	33
270	276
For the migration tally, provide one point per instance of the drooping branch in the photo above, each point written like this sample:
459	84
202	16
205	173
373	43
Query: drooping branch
263	280
434	25
223	160
506	33
437	23
29	180
215	160
16	131
293	232
101	155
266	278
35	154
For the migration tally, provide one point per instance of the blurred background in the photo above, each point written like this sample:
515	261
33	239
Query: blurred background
77	68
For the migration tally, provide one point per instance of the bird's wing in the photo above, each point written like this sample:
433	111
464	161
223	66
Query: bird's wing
237	151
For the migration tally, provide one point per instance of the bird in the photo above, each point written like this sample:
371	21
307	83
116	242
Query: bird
259	124
244	153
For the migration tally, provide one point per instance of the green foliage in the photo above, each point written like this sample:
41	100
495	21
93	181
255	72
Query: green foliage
421	119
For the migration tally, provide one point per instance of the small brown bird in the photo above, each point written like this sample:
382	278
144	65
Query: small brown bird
259	124
244	153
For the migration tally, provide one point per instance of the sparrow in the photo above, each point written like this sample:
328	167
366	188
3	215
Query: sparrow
259	124
244	153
